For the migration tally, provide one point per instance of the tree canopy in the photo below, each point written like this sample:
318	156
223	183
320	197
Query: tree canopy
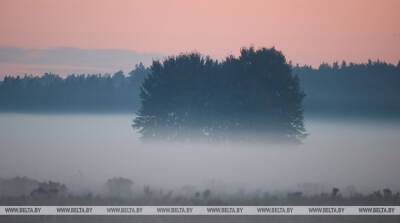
362	89
253	95
94	92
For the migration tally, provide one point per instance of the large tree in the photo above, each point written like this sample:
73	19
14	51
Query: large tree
254	95
172	96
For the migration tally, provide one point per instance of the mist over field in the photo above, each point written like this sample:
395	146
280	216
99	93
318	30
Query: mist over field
84	150
200	111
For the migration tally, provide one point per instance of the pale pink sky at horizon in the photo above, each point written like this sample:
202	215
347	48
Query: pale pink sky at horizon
307	31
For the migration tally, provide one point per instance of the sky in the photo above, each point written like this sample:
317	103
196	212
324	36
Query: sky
306	31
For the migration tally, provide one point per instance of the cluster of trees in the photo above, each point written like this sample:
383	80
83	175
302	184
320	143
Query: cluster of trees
348	88
253	95
24	186
120	191
51	92
48	190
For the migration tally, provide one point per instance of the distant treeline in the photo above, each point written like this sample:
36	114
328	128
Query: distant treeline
360	89
363	88
123	191
92	92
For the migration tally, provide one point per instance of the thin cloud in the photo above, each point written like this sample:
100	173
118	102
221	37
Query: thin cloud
65	61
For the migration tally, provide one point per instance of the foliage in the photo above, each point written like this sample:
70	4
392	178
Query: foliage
93	92
349	88
252	95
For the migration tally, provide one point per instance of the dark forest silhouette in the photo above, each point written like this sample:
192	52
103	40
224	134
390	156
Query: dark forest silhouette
95	92
254	95
348	88
331	89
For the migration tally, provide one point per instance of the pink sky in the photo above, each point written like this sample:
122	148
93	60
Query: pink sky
307	31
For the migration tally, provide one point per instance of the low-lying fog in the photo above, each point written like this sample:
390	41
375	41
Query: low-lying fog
83	151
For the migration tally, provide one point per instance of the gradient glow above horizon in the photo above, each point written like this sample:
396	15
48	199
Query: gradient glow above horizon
307	31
